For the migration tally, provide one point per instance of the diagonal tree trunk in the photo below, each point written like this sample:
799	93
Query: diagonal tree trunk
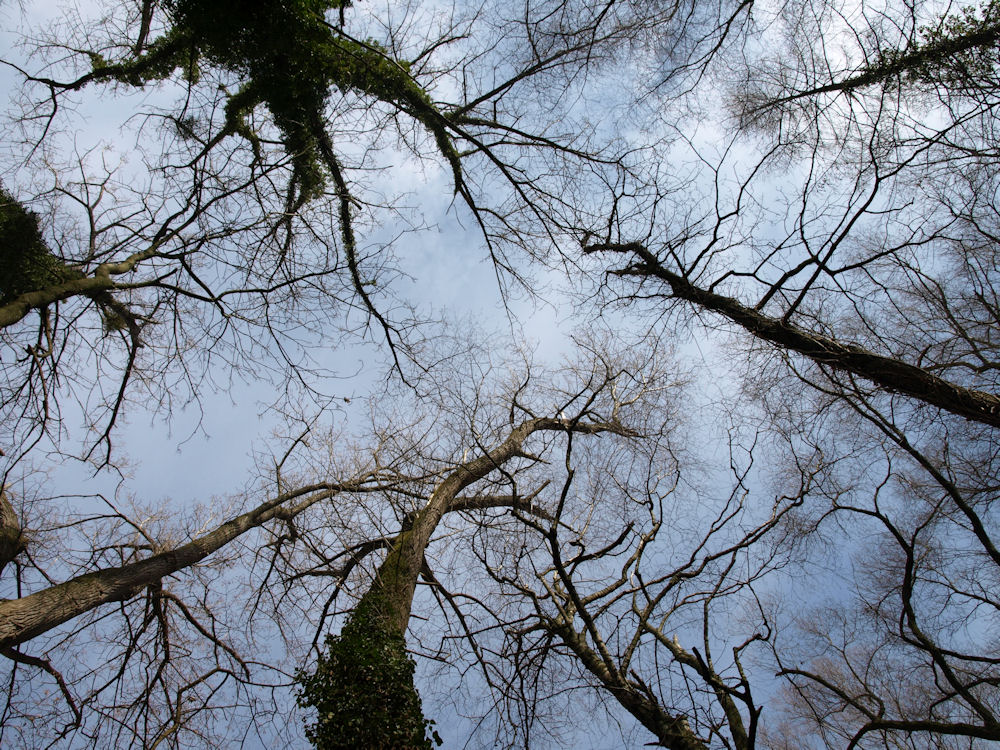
887	373
919	61
367	671
30	616
397	577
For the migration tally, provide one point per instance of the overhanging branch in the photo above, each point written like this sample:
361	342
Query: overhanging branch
889	374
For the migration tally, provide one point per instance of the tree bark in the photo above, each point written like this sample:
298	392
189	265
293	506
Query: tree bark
12	540
391	594
890	374
30	616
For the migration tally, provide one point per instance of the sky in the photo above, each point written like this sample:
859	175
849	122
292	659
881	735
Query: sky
209	449
204	451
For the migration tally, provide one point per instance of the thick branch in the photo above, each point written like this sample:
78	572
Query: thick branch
15	310
522	503
672	732
12	540
723	693
32	615
95	287
890	374
391	595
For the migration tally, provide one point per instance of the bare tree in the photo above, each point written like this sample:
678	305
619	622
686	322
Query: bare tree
844	237
900	656
871	257
169	613
239	250
839	224
602	393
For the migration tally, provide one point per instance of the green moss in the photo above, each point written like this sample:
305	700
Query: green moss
290	59
26	263
363	691
960	50
362	688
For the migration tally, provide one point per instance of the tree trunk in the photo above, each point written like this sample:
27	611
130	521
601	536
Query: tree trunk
890	374
346	682
24	618
12	540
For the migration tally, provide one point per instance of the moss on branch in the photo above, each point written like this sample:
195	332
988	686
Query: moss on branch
290	59
28	265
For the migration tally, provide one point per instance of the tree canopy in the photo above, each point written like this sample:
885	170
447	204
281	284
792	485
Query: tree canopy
743	496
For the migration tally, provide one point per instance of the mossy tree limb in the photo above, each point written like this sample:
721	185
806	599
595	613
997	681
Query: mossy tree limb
32	276
289	58
362	688
959	54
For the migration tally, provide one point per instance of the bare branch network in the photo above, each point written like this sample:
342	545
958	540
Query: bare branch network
748	499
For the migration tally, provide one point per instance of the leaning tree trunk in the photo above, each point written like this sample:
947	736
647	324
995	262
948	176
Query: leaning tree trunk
12	539
889	374
363	688
34	614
